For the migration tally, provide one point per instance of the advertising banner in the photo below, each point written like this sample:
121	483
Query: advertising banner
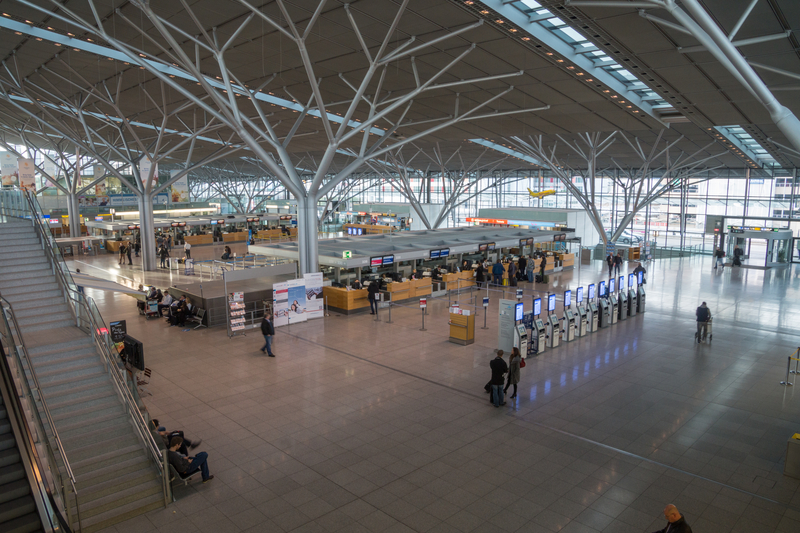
314	307
51	170
236	311
100	190
8	169
145	166
297	300
27	175
180	189
280	304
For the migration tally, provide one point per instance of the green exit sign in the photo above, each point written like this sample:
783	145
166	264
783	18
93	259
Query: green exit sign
347	254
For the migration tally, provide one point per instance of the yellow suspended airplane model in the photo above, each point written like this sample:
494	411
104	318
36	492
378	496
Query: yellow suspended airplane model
541	194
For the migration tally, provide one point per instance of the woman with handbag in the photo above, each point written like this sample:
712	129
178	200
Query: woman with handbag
513	371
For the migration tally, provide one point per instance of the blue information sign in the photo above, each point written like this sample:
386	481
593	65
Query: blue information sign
486	301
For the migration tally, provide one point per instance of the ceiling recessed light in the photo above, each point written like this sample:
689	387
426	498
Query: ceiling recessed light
484	12
526	38
499	21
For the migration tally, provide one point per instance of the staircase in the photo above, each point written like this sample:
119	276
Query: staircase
115	477
18	513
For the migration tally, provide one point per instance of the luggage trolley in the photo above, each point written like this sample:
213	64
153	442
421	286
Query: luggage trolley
708	331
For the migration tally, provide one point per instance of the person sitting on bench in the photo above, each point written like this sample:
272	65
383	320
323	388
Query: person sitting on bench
186	466
167	437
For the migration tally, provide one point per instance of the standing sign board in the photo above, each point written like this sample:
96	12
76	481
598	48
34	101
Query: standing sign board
506	322
423	303
236	321
314	303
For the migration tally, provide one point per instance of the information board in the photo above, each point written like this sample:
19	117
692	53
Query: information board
537	306
551	303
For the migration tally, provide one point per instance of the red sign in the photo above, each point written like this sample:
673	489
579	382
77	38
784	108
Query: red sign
487	220
423	303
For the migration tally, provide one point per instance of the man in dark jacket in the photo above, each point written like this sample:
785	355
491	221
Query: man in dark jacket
718	259
703	315
676	522
610	263
497	273
617	263
188	465
499	369
372	295
738	253
268	330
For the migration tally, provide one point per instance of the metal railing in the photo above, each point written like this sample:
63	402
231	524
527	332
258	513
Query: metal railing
89	319
212	269
20	361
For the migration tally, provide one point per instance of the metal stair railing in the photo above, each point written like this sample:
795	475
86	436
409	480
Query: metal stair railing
20	359
89	319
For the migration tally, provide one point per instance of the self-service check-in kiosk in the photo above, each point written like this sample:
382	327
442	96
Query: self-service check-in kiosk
612	300
553	324
583	316
623	299
605	307
633	299
593	311
640	292
521	339
570	319
539	331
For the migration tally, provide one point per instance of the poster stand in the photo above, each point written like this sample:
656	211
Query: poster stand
236	321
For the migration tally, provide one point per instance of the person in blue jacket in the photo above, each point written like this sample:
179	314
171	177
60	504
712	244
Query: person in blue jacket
497	272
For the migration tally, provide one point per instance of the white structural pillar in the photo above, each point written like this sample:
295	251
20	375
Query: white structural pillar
147	232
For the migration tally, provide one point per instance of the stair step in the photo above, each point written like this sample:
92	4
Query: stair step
32	312
39	299
11	473
127	460
62	346
75	359
16	508
75	436
30	523
120	514
46	322
121	498
118	483
28	293
70	389
7	442
90	413
15	489
124	442
22	258
9	456
28	280
69	428
21	244
18	229
74	372
100	396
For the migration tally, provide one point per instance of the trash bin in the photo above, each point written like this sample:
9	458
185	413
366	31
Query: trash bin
792	466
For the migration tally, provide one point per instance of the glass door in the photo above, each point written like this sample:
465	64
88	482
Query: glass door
795	250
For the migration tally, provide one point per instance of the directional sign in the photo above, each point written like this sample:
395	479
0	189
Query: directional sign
486	301
519	294
423	303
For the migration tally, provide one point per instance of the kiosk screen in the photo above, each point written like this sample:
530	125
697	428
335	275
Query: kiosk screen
621	283
601	289
579	295
567	299
631	281
551	303
591	292
537	306
518	311
641	277
612	285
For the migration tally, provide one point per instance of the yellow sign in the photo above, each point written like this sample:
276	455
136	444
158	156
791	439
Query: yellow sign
347	254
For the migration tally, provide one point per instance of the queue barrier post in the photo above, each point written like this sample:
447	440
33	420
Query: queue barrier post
423	319
796	362
390	311
788	367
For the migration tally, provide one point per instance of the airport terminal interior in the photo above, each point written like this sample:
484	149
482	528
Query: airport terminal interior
390	193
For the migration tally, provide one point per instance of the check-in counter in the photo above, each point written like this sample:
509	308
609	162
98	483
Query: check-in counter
420	287
459	280
235	237
198	240
462	329
113	246
567	261
371	229
399	290
345	300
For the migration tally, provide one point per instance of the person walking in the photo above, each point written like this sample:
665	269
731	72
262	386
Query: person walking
513	371
522	264
610	263
738	253
480	275
128	252
529	266
675	521
163	254
169	242
268	330
121	254
617	263
718	258
137	246
497	273
703	315
512	274
499	369
372	296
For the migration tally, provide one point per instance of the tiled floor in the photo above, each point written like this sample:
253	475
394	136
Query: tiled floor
361	425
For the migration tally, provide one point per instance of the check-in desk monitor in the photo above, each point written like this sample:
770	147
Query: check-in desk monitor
553	324
633	299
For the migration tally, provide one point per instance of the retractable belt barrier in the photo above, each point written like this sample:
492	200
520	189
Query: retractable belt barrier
789	366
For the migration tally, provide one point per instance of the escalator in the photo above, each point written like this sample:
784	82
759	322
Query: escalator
18	512
27	505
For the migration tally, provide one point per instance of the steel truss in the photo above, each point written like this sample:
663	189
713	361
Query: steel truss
237	103
90	118
661	171
692	18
